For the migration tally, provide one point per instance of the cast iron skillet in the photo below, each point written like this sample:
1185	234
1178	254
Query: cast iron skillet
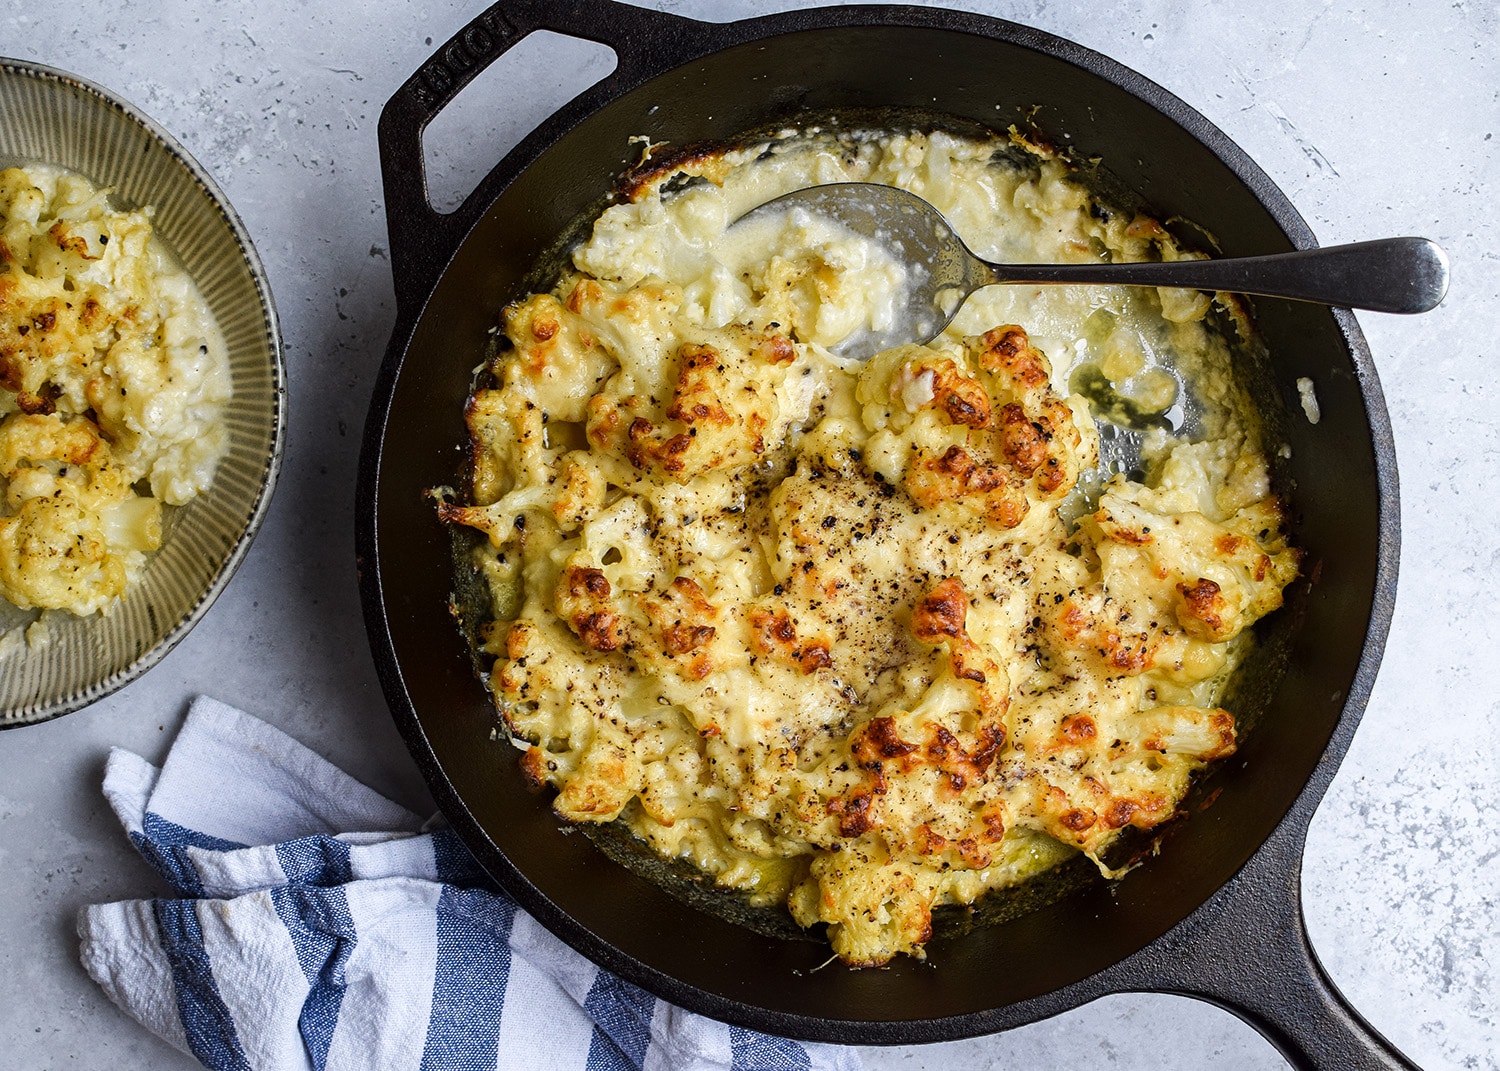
1217	915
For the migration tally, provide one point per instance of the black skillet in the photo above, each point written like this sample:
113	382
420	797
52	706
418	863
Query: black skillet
1217	915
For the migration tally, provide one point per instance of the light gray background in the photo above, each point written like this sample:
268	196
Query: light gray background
1376	118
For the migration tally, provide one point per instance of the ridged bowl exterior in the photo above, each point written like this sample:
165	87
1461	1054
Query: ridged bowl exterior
47	116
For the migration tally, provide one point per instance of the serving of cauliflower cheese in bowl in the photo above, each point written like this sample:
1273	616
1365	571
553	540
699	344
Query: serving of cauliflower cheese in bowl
114	382
866	637
139	393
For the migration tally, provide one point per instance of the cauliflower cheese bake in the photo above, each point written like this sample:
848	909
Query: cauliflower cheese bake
865	637
113	380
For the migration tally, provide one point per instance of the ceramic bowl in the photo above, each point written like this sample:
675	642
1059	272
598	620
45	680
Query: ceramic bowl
48	116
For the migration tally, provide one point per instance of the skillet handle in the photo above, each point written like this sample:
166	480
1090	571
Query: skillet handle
1247	951
423	240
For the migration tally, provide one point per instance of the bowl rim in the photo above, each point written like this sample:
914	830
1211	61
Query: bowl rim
98	689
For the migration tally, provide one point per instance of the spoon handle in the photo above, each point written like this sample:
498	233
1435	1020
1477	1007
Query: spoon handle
1387	275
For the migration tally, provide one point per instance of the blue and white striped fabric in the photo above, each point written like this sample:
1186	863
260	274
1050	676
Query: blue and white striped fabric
322	926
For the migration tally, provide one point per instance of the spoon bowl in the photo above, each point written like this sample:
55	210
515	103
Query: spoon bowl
1403	275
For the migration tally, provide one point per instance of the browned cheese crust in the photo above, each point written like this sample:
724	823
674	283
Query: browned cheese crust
827	629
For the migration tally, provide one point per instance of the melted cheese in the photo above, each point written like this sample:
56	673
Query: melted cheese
113	379
823	627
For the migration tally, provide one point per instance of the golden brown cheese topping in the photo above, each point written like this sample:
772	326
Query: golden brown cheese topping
113	379
861	637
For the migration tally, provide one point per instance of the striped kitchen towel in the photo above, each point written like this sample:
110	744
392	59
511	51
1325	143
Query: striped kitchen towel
322	926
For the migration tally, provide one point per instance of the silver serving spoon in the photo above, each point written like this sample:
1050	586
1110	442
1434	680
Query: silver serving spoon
1389	275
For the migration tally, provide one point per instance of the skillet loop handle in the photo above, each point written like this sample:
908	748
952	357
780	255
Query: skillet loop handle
1247	951
423	240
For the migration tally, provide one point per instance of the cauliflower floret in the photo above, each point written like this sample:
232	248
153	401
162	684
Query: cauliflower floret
73	533
54	554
